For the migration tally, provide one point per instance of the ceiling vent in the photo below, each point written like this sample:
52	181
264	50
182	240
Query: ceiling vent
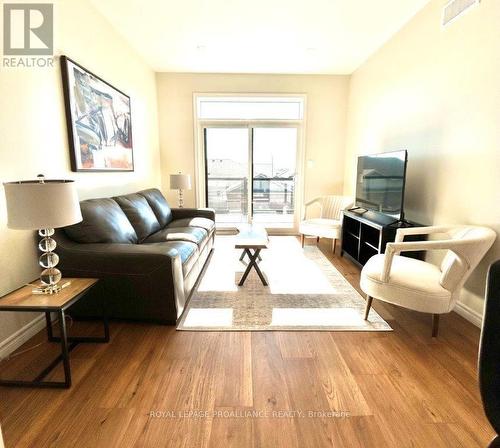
455	8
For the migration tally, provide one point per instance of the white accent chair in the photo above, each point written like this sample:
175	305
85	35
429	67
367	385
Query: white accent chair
329	223
419	285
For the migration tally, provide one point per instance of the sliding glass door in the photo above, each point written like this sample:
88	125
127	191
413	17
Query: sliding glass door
227	173
265	155
274	161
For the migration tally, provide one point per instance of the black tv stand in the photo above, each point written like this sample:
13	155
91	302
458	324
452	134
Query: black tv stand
367	234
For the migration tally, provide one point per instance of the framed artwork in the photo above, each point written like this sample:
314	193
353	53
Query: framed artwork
99	121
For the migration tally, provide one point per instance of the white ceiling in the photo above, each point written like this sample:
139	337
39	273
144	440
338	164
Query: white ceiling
257	36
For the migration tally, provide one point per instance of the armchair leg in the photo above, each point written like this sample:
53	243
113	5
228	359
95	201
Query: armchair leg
369	300
317	239
302	238
435	325
334	244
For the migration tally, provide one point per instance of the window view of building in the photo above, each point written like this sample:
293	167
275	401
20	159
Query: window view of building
269	163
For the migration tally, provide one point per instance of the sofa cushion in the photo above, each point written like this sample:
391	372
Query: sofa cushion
140	214
103	222
159	205
188	253
204	223
195	235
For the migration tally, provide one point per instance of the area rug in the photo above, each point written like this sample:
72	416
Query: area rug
305	293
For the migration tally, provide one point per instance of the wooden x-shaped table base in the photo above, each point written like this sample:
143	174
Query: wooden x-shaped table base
252	263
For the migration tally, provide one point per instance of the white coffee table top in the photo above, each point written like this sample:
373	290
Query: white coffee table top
251	236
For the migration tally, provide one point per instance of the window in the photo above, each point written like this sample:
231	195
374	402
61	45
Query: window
250	108
249	158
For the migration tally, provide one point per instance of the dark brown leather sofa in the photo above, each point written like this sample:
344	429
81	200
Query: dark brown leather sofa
147	255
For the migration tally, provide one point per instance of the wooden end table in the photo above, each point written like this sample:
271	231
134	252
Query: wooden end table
23	300
252	239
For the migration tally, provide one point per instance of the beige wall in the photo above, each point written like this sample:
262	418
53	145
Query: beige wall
33	135
436	93
326	121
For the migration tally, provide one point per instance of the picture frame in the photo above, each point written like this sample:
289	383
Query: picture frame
99	121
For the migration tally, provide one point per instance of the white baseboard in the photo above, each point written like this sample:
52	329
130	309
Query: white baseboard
469	314
14	341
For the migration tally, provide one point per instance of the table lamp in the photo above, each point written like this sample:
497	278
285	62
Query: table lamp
180	182
43	205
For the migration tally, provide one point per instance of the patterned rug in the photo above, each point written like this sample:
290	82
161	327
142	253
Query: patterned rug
305	293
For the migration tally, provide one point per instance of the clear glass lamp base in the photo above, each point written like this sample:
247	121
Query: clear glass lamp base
50	276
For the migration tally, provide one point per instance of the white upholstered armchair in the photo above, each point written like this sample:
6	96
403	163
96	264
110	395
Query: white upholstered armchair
329	223
423	286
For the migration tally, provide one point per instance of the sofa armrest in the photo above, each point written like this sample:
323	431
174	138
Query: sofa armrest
180	213
148	276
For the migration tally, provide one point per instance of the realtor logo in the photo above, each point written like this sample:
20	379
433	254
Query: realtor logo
28	29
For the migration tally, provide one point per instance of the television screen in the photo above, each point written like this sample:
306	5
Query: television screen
380	182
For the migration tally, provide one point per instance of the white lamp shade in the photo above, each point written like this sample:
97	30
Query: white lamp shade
180	182
32	205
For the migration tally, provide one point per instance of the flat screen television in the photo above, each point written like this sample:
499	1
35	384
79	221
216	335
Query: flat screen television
380	183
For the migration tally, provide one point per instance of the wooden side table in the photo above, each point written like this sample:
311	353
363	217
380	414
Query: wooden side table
24	300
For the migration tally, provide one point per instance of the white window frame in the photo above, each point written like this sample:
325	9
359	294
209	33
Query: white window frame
199	147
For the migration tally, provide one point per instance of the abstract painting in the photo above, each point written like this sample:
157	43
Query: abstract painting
99	121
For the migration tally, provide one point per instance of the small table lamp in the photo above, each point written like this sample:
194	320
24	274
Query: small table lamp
43	205
180	182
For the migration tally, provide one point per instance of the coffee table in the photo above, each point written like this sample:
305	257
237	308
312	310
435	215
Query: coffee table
252	239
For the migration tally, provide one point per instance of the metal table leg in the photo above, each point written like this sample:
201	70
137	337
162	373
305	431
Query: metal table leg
64	349
64	356
253	263
242	257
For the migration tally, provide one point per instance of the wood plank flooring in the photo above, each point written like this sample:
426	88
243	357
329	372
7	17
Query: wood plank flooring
267	389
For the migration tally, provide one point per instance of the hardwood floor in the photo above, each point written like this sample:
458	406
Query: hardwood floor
399	389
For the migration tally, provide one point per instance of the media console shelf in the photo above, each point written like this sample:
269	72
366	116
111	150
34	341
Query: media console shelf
366	234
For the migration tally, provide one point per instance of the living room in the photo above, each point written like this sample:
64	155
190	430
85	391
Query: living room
239	313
